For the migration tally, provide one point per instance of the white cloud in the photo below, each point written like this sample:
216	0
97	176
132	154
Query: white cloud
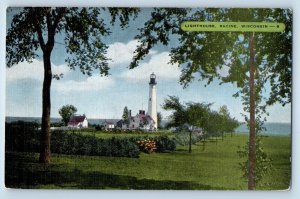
159	64
34	70
223	71
122	52
92	83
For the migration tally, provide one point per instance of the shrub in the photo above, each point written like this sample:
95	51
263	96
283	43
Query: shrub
22	136
99	127
164	143
76	144
122	147
183	138
89	129
25	137
57	124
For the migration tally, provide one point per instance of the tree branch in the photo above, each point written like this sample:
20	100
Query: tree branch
40	35
48	19
58	17
52	26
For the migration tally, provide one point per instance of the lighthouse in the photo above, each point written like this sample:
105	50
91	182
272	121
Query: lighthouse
152	112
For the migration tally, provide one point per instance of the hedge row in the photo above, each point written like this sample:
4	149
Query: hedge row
24	137
77	144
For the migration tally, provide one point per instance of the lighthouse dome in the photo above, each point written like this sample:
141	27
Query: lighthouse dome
152	79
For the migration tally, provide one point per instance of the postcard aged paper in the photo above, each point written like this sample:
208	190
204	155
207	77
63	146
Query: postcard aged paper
148	98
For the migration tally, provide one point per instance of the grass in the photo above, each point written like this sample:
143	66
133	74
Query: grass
215	168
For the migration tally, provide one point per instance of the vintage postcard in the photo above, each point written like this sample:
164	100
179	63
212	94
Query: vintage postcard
148	98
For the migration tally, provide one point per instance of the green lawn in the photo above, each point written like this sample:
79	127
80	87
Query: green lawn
216	167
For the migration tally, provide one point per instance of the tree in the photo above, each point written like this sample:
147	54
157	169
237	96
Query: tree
34	29
66	112
224	111
125	115
186	116
192	113
191	116
228	123
202	55
198	114
159	119
178	117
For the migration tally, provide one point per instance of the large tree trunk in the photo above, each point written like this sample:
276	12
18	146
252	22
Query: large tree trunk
252	146
45	151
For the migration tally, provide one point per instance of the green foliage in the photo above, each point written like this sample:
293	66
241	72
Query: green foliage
228	123
125	115
83	31
25	137
159	120
164	144
263	164
183	138
124	14
57	124
22	136
199	115
77	144
201	56
66	112
190	116
214	168
99	127
128	131
178	117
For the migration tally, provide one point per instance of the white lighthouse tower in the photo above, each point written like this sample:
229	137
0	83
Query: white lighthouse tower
152	99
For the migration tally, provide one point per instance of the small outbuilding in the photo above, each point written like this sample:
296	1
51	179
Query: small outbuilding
78	121
109	126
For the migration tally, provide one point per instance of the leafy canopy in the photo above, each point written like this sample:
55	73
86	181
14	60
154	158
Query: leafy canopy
66	112
125	115
199	115
83	31
204	55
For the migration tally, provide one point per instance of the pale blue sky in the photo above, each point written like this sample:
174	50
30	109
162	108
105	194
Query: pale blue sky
105	97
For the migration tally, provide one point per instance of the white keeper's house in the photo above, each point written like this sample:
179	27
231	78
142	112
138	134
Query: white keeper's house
78	121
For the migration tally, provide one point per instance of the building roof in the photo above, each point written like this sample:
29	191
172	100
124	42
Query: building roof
107	122
76	119
143	117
